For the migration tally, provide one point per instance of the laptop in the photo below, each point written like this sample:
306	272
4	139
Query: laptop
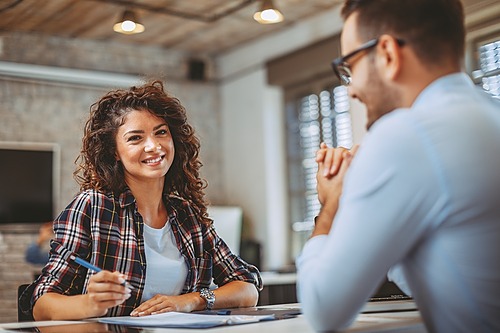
389	298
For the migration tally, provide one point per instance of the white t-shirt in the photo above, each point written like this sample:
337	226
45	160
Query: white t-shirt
166	269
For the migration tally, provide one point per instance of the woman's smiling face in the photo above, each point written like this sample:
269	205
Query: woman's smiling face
145	147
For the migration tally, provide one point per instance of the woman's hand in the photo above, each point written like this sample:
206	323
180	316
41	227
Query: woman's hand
106	290
163	303
233	294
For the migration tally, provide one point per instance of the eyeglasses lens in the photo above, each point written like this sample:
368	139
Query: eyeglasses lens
344	74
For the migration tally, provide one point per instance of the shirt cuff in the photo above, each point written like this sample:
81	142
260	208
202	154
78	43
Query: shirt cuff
311	249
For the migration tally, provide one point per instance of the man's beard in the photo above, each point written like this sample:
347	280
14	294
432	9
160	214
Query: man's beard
382	98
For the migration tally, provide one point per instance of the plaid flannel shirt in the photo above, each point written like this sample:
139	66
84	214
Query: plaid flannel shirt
107	231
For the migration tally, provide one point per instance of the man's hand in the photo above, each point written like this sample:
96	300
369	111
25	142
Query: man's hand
332	167
330	159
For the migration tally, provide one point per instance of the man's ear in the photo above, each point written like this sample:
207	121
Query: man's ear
390	57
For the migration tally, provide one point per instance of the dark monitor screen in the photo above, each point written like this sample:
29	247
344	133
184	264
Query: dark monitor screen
28	184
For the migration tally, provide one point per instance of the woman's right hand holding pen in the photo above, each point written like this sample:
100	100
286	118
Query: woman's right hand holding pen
105	290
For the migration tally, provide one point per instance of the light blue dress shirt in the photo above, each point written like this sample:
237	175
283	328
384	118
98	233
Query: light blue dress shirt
422	196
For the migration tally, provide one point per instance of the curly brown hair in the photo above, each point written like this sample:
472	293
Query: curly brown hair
97	167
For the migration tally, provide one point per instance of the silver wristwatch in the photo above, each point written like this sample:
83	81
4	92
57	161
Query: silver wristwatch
209	297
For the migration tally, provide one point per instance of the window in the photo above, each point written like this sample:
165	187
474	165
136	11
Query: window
314	112
318	117
489	61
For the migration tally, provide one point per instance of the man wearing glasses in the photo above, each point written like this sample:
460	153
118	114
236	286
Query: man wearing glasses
421	197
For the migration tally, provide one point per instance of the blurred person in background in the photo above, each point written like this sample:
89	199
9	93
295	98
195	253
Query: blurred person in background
37	253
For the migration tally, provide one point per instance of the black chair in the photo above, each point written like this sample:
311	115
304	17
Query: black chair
21	316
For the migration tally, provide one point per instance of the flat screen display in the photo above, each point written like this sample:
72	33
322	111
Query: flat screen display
29	183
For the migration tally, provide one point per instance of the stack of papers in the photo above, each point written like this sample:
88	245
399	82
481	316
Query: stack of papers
185	320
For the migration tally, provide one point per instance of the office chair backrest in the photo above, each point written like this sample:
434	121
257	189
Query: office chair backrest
228	221
21	316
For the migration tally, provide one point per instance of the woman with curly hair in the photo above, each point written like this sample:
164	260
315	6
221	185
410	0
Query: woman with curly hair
141	216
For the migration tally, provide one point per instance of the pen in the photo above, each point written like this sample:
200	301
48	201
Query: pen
96	269
214	312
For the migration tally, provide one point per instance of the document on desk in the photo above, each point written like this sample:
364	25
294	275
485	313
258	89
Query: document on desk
184	320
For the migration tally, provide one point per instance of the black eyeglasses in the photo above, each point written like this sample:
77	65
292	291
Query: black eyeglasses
342	68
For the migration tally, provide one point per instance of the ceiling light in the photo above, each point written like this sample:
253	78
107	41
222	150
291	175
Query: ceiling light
268	13
128	24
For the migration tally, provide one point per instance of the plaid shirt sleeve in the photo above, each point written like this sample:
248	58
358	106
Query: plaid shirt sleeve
207	255
71	229
100	229
226	265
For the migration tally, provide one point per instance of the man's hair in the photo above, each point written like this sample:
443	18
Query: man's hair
434	29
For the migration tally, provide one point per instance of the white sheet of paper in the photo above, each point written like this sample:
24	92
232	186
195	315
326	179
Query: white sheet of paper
181	319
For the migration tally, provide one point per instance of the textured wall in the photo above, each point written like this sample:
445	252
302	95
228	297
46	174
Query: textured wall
41	111
13	271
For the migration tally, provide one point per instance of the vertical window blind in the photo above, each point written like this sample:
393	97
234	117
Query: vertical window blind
315	118
489	61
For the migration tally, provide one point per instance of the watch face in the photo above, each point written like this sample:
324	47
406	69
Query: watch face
208	296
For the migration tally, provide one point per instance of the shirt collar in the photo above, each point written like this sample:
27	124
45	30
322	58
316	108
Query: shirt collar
441	86
126	198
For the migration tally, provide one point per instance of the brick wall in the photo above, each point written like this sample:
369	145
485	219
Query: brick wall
13	268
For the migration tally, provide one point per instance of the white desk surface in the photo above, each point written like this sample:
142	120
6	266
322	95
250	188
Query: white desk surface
404	321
